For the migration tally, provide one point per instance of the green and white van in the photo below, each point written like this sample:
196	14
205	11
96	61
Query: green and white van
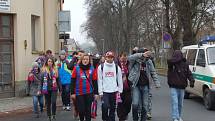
201	59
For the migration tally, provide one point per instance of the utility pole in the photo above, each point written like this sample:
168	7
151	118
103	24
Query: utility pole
162	54
103	45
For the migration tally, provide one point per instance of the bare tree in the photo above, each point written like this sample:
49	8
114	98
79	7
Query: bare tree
119	25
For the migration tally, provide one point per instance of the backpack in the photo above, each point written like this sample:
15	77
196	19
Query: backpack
116	66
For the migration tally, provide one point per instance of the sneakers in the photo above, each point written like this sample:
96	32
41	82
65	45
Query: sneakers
175	120
68	108
54	117
76	118
64	107
180	119
149	116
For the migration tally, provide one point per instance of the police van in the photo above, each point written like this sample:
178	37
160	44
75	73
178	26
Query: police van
201	60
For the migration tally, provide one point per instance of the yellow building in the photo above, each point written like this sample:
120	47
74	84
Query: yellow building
26	27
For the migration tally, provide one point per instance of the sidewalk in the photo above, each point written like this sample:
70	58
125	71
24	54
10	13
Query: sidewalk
18	105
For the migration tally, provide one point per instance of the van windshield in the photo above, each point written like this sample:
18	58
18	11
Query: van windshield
211	55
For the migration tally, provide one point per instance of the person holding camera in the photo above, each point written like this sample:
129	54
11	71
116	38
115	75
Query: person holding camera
141	74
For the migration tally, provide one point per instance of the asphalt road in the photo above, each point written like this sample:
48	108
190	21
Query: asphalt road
193	109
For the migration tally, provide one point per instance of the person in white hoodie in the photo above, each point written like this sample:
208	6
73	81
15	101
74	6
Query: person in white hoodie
110	85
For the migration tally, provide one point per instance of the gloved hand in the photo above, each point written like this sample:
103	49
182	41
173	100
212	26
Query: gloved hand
191	85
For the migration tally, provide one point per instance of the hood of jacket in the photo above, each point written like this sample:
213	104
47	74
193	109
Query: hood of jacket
177	57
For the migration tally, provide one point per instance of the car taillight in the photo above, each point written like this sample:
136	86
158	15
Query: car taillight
213	80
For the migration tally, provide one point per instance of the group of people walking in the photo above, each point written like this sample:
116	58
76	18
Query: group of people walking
121	83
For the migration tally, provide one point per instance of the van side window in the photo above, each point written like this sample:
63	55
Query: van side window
184	52
191	56
201	58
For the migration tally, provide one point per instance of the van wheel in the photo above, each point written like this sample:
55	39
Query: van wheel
207	100
186	95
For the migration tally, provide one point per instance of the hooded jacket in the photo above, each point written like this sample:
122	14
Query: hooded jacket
34	83
178	71
64	72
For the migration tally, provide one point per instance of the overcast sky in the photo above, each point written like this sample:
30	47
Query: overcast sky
78	17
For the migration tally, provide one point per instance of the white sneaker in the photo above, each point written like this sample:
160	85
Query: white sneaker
68	108
180	119
64	107
175	120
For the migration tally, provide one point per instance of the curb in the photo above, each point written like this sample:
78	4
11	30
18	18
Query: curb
20	111
16	112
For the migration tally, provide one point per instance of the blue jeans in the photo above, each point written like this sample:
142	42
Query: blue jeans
139	101
36	100
149	106
177	98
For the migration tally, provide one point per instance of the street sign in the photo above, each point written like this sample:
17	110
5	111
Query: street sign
64	36
167	37
4	5
166	40
167	44
64	21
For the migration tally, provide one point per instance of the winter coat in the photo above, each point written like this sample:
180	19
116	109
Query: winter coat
64	74
50	81
135	61
178	71
34	83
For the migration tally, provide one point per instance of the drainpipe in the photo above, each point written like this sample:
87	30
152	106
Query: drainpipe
44	28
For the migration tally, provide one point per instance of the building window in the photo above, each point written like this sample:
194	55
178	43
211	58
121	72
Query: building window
6	25
35	33
6	50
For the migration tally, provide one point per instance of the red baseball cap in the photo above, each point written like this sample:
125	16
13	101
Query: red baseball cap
109	54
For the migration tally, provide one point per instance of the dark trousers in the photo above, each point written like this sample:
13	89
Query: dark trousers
108	106
84	106
51	98
124	108
65	96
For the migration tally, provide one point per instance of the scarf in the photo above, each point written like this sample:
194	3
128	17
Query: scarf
49	76
124	68
31	76
85	67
